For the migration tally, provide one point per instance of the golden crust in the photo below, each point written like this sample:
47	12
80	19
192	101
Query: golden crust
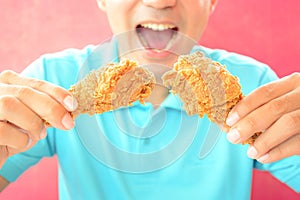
216	90
104	89
107	82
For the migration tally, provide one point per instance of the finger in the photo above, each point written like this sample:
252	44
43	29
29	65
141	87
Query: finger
261	96
59	94
40	103
14	111
271	112
13	137
286	127
284	150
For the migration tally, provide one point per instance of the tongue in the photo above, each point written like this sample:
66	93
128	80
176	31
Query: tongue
156	39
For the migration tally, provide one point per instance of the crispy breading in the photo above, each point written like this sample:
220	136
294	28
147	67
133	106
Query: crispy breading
205	87
111	87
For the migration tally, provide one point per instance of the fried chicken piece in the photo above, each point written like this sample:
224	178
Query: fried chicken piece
205	87
111	87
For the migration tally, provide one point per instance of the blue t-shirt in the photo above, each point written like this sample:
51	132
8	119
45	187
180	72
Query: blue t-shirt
142	152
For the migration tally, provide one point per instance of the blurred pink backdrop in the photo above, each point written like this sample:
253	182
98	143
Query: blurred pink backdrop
266	30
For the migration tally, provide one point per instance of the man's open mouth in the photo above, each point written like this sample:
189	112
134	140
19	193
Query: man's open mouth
156	37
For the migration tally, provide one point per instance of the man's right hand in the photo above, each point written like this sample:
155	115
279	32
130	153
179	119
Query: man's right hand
25	105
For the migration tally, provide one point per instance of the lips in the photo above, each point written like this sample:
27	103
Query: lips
156	36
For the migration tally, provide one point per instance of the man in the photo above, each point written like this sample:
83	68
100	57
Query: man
224	172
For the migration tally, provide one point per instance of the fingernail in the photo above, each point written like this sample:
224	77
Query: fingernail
70	103
232	119
263	158
67	121
233	136
252	152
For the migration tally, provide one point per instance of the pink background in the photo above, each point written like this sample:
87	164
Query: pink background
267	30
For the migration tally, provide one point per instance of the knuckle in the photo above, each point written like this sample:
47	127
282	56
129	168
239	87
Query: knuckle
244	108
292	120
36	126
262	145
40	84
295	77
279	151
58	93
24	92
35	83
278	106
54	108
56	90
6	73
267	90
54	112
7	103
251	124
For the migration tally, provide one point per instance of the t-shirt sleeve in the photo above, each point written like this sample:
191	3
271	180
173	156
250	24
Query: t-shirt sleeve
268	76
19	163
36	69
286	170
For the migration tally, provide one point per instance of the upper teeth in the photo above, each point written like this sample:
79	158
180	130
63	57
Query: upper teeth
158	27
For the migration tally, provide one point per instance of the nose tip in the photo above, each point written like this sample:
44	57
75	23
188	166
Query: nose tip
160	4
